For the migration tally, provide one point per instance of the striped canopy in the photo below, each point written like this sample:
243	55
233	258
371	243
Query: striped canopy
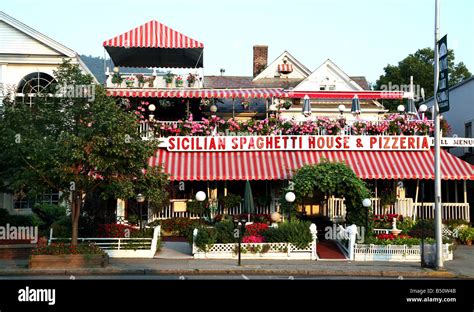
280	165
155	45
200	93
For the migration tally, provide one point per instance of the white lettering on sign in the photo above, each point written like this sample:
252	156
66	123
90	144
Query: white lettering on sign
295	142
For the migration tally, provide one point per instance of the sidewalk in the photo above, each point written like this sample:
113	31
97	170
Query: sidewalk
461	267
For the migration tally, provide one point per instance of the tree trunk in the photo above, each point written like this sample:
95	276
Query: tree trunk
75	213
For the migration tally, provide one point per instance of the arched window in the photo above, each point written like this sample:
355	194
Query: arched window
35	83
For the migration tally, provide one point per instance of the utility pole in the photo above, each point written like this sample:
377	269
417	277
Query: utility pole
437	146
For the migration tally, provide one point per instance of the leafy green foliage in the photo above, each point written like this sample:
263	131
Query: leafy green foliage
294	232
420	66
19	220
225	232
76	145
423	228
205	238
334	179
230	200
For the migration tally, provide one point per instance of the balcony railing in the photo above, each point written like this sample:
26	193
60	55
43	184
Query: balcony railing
146	129
149	81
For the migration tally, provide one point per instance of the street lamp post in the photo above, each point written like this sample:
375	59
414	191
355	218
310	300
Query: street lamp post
422	109
367	203
238	224
290	198
140	199
200	197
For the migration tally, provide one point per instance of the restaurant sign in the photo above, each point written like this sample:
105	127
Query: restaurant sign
295	143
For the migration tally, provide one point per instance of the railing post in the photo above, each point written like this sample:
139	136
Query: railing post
314	233
154	241
195	232
50	236
352	230
118	246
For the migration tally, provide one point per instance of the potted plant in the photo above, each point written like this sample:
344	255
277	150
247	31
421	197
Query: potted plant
230	201
179	81
150	81
141	80
287	104
387	198
191	79
168	79
130	81
245	104
466	235
117	79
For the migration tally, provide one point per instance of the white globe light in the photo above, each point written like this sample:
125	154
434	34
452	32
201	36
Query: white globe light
276	217
290	197
200	196
401	108
213	108
366	202
423	108
152	107
272	108
341	108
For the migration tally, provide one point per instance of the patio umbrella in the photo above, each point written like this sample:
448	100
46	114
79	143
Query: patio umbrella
355	109
411	109
306	106
249	206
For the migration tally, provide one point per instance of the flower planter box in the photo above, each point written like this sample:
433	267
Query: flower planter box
67	261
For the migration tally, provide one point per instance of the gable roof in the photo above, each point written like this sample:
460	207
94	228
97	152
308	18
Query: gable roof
272	68
340	79
50	43
361	81
36	35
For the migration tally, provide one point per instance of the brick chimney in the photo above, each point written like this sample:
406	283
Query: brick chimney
260	57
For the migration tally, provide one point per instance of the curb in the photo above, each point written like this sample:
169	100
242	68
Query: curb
246	271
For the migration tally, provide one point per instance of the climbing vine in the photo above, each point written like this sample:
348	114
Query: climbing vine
333	178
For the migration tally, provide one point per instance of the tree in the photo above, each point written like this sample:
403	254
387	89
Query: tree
76	143
420	66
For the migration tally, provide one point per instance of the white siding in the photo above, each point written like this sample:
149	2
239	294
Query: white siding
328	75
461	103
13	41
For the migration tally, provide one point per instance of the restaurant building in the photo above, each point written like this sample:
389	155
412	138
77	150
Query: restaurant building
217	132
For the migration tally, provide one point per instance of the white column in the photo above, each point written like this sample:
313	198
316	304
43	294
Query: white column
120	212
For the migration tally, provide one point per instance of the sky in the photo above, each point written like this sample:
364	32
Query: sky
361	36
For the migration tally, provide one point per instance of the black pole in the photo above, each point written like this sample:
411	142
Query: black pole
423	264
240	241
141	215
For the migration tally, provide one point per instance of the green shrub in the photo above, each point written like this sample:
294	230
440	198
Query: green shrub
294	232
230	200
225	232
205	238
196	207
455	224
423	228
466	234
19	220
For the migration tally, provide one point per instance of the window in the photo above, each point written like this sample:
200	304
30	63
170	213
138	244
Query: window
322	88
468	134
35	83
23	201
332	88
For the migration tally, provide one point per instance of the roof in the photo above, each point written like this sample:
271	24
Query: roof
361	81
229	82
465	81
215	166
269	70
53	44
153	34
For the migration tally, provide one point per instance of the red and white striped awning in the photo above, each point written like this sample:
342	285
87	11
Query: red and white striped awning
279	165
200	93
285	68
153	35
